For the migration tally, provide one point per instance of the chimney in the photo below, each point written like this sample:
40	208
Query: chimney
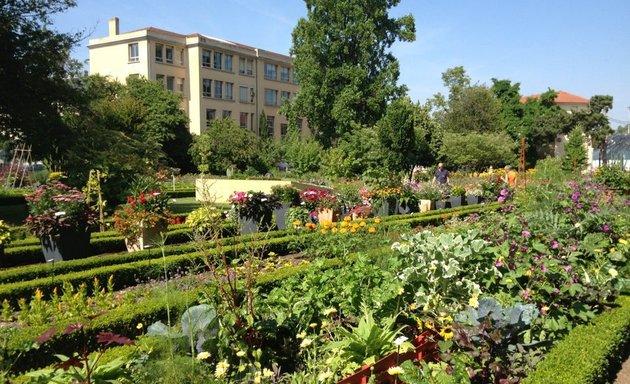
114	25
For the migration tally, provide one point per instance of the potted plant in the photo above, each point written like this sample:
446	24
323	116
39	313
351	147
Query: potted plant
443	201
360	212
254	210
457	196
427	194
385	200
287	197
349	197
323	202
210	222
408	200
473	194
60	217
143	219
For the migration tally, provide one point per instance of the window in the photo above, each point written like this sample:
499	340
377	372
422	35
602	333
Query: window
270	71
245	66
243	94
158	52
181	85
243	120
270	130
227	114
284	96
229	91
218	89
205	58
228	63
284	74
283	130
134	53
207	87
271	96
210	115
169	54
182	55
218	58
170	83
159	78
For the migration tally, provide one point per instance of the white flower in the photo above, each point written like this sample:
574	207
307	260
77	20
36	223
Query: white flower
267	372
613	272
203	355
329	311
395	370
61	213
400	340
221	369
306	342
240	353
324	375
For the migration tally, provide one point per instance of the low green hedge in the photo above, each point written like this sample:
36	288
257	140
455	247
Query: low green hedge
30	272
179	193
587	354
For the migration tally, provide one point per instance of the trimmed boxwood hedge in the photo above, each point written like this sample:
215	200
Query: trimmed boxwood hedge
587	354
30	272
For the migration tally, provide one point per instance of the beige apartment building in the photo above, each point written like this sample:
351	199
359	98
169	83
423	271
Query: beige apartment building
217	78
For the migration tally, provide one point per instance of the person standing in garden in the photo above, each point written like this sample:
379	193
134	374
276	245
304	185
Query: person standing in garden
441	175
510	176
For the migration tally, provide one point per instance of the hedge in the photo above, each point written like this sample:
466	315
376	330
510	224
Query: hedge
179	193
123	320
30	272
589	354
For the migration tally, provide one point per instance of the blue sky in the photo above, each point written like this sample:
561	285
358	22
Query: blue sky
579	46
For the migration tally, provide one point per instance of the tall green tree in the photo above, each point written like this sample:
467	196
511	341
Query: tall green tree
33	73
574	158
596	124
345	70
397	136
509	96
477	151
476	109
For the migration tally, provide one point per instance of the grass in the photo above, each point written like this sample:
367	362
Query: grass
184	205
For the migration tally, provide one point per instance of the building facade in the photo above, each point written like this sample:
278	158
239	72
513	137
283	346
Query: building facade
217	78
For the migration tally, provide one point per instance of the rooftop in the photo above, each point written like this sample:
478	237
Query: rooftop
561	98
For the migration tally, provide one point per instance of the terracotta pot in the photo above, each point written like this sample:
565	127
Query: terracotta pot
425	205
327	214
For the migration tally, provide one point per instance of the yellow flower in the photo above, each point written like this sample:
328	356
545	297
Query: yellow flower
257	377
528	272
377	220
429	324
395	370
508	281
327	224
313	325
347	218
334	230
372	230
240	353
545	308
297	223
301	335
221	369
613	272
353	230
473	302
401	290
139	326
412	306
203	355
343	230
325	323
306	342
623	241
267	372
324	231
272	254
38	294
362	224
329	311
344	224
446	333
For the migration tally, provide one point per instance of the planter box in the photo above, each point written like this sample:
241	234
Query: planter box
473	199
327	214
388	207
280	216
426	205
456	201
442	204
406	209
148	237
68	245
425	350
249	225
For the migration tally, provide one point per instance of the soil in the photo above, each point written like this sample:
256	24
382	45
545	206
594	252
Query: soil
623	376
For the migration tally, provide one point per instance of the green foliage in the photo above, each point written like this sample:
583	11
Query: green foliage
587	352
613	176
356	154
575	157
595	122
225	145
477	151
436	372
345	72
476	109
302	154
397	136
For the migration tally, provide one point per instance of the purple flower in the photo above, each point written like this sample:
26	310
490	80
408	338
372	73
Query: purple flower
501	199
543	268
575	196
568	268
554	244
525	233
504	192
498	263
605	228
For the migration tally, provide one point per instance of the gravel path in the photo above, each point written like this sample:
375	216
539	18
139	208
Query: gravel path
623	376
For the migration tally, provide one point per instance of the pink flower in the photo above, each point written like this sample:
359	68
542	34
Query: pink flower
554	244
